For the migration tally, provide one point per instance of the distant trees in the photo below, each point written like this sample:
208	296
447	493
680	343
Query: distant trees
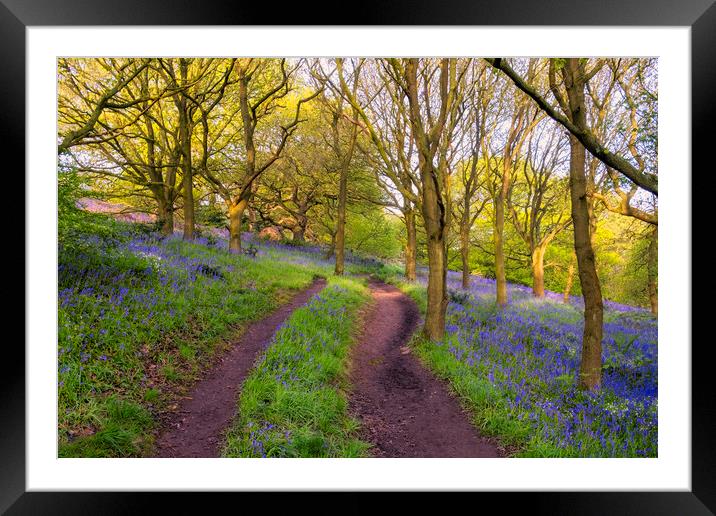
471	175
635	128
133	134
262	85
521	121
647	180
288	196
424	95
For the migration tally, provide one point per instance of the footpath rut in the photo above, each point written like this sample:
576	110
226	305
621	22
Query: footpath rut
196	428
405	411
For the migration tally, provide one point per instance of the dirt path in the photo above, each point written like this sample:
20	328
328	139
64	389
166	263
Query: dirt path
405	410
196	428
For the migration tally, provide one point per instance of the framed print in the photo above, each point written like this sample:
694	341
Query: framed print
672	46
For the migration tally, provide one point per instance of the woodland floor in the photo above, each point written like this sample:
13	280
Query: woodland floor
196	428
405	411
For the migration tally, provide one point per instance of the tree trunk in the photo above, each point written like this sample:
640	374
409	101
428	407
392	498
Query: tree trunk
434	326
250	166
165	217
593	233
340	239
188	185
434	218
590	370
410	245
433	202
652	270
236	212
465	252
500	276
299	232
570	279
538	271
161	191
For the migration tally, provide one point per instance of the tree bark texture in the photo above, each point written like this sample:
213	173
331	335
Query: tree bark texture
434	218
165	216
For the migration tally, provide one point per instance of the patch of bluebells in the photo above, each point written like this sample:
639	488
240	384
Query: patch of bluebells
529	354
264	434
257	436
119	291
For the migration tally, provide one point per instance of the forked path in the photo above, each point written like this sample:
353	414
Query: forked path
405	411
196	428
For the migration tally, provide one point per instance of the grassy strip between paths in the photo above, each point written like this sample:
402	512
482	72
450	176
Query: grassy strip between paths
293	404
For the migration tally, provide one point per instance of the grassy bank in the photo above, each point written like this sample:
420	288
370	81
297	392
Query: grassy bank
293	405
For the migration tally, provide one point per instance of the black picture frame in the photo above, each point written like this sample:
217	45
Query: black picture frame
700	15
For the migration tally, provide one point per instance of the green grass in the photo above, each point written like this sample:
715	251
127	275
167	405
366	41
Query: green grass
123	426
293	404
